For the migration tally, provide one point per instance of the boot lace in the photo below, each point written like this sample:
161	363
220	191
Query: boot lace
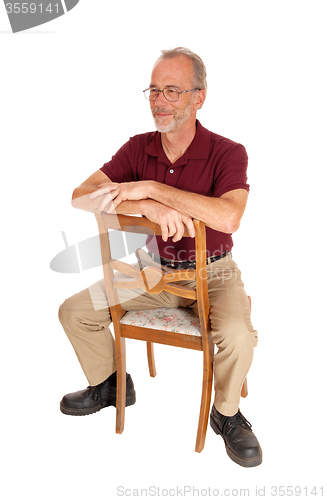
230	422
95	392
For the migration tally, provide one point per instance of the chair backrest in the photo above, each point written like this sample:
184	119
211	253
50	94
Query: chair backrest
152	279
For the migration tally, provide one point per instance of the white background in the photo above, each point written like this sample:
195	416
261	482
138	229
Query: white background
71	95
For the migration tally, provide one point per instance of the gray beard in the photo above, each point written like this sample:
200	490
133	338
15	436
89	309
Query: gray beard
177	120
165	128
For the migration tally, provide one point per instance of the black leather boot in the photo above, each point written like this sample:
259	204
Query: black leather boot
94	398
241	444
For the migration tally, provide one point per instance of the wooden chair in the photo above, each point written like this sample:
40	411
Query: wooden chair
154	279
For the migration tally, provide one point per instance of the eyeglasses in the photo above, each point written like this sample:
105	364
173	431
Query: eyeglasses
170	94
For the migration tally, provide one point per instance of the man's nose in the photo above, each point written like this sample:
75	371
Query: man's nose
160	99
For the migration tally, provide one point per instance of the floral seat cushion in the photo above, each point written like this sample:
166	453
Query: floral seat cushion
179	320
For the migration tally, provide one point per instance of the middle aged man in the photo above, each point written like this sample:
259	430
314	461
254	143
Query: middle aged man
171	176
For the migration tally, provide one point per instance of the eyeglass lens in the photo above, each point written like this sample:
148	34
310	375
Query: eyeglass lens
170	94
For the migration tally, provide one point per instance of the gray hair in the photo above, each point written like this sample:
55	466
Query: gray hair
199	69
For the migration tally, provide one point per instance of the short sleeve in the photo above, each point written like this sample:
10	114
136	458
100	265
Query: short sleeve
119	168
232	173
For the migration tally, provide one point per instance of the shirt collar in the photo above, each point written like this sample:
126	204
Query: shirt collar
197	150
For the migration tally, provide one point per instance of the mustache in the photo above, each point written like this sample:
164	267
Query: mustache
161	110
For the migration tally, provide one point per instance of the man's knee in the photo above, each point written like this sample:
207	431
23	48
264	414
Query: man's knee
235	334
66	312
85	311
72	309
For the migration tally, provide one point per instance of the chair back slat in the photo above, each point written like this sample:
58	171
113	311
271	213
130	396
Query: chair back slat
132	224
201	277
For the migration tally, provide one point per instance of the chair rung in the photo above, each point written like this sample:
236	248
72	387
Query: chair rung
160	337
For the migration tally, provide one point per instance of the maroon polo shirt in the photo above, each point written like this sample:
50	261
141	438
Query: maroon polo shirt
212	165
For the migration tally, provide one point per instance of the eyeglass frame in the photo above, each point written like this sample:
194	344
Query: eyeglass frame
163	93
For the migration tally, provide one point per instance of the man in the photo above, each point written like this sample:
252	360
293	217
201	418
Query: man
171	176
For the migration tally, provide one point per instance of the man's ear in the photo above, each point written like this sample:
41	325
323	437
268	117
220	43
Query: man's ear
199	98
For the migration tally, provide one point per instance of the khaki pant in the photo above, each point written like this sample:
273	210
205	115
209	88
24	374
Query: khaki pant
85	318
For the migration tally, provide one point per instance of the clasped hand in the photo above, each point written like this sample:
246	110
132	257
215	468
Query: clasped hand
115	193
172	222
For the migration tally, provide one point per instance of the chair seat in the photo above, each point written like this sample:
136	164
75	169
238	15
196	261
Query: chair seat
179	320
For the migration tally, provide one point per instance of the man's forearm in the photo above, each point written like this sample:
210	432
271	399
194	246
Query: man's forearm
81	200
172	223
132	207
219	214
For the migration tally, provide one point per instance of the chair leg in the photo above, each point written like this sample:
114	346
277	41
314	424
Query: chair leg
205	399
244	390
151	362
121	384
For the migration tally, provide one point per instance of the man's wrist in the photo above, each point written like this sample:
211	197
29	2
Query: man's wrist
145	206
150	189
153	191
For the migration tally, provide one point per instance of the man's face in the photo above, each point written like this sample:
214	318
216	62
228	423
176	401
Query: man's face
178	73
